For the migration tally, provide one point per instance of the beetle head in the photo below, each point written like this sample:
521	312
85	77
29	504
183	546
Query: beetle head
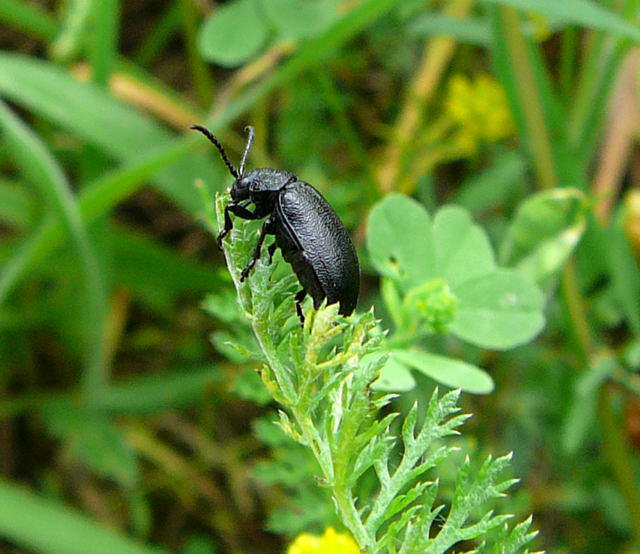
242	187
254	184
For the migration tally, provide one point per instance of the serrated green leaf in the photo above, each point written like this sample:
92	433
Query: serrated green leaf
448	371
463	250
233	33
545	231
400	242
500	310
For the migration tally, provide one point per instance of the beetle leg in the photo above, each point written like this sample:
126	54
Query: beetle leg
241	211
237	209
299	298
272	251
267	228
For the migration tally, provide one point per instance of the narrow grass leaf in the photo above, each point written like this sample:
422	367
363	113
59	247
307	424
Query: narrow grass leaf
39	166
43	525
28	18
95	199
580	12
624	275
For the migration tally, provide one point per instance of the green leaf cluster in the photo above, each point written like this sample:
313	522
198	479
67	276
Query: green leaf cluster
440	276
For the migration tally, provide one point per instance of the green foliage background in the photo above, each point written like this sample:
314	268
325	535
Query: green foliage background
128	420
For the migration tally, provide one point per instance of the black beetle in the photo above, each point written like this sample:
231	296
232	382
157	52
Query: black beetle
307	230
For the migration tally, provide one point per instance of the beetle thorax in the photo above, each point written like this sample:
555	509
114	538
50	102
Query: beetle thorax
265	179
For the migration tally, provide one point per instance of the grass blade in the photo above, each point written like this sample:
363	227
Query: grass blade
37	163
47	526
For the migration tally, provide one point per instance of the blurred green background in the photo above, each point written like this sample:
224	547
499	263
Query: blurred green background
127	424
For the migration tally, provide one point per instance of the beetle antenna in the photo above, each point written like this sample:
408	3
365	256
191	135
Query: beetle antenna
247	148
220	148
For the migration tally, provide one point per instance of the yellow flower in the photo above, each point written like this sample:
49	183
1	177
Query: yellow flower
329	543
478	110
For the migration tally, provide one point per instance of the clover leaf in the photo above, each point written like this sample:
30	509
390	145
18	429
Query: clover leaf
446	270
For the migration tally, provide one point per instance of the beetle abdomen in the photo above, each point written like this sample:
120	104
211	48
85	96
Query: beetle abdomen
322	254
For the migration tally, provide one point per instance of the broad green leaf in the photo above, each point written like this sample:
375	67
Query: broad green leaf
545	231
392	300
233	34
463	250
42	525
298	19
500	310
580	12
94	441
394	377
448	371
581	416
399	241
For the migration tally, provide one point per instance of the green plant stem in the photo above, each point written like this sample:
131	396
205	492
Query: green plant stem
103	44
298	407
568	55
577	311
525	80
73	29
343	498
599	65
